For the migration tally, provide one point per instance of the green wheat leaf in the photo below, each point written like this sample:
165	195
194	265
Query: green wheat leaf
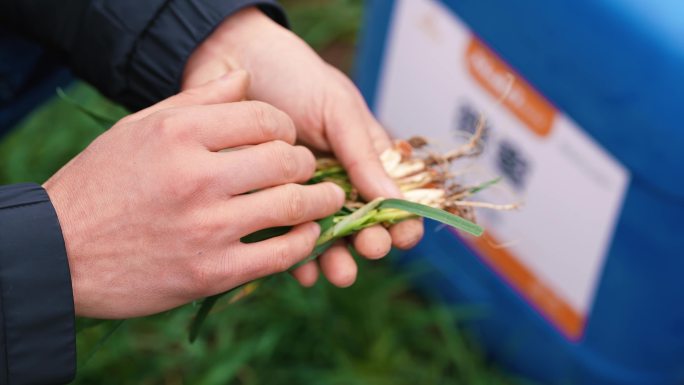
87	323
201	315
112	327
435	214
265	234
484	185
104	121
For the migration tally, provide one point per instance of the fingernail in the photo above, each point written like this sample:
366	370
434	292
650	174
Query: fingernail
390	188
315	229
341	195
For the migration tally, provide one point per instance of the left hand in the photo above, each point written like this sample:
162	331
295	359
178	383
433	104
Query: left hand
329	114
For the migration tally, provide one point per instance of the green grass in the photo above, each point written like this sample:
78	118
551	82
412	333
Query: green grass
376	332
379	331
43	142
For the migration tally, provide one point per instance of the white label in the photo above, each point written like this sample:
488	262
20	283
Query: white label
436	80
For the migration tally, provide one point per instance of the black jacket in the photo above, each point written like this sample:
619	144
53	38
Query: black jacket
134	52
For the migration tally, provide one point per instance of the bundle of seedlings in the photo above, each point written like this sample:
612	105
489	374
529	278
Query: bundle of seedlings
429	187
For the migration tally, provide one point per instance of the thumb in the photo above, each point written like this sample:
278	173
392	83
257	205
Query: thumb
231	87
199	71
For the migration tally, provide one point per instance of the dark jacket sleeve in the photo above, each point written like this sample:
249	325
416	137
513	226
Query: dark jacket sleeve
37	340
133	51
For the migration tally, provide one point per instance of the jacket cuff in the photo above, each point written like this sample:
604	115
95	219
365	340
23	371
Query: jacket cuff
36	298
156	67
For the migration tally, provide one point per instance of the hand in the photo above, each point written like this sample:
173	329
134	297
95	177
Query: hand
329	114
152	214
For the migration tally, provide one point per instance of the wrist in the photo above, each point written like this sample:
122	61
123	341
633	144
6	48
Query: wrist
70	234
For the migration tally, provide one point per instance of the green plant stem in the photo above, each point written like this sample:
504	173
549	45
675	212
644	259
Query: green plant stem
392	216
351	222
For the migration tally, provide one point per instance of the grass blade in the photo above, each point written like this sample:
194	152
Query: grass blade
111	329
201	315
104	121
484	185
87	323
265	234
317	251
435	214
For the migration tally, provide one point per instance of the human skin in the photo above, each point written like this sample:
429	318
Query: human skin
329	114
152	213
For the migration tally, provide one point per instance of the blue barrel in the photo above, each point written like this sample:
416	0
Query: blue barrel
612	71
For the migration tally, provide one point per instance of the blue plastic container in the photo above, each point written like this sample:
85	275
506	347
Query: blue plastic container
615	68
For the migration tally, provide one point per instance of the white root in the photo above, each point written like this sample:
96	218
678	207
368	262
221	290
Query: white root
485	205
407	168
390	159
427	196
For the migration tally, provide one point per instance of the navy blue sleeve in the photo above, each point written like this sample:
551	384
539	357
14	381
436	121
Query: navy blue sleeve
133	51
37	338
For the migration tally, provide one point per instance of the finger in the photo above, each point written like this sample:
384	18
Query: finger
338	265
351	143
373	242
231	87
222	126
266	165
307	274
407	234
276	254
285	205
379	137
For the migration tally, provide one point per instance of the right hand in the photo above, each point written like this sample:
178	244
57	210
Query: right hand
152	214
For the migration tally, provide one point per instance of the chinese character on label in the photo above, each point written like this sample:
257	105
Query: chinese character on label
467	119
512	164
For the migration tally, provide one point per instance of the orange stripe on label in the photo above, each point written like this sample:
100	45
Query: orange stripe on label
559	312
523	100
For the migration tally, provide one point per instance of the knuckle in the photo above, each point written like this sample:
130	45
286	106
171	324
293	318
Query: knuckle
206	227
262	115
346	92
293	203
185	183
332	200
284	157
286	126
307	244
342	95
163	125
281	257
363	161
204	274
308	162
202	179
347	86
272	123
